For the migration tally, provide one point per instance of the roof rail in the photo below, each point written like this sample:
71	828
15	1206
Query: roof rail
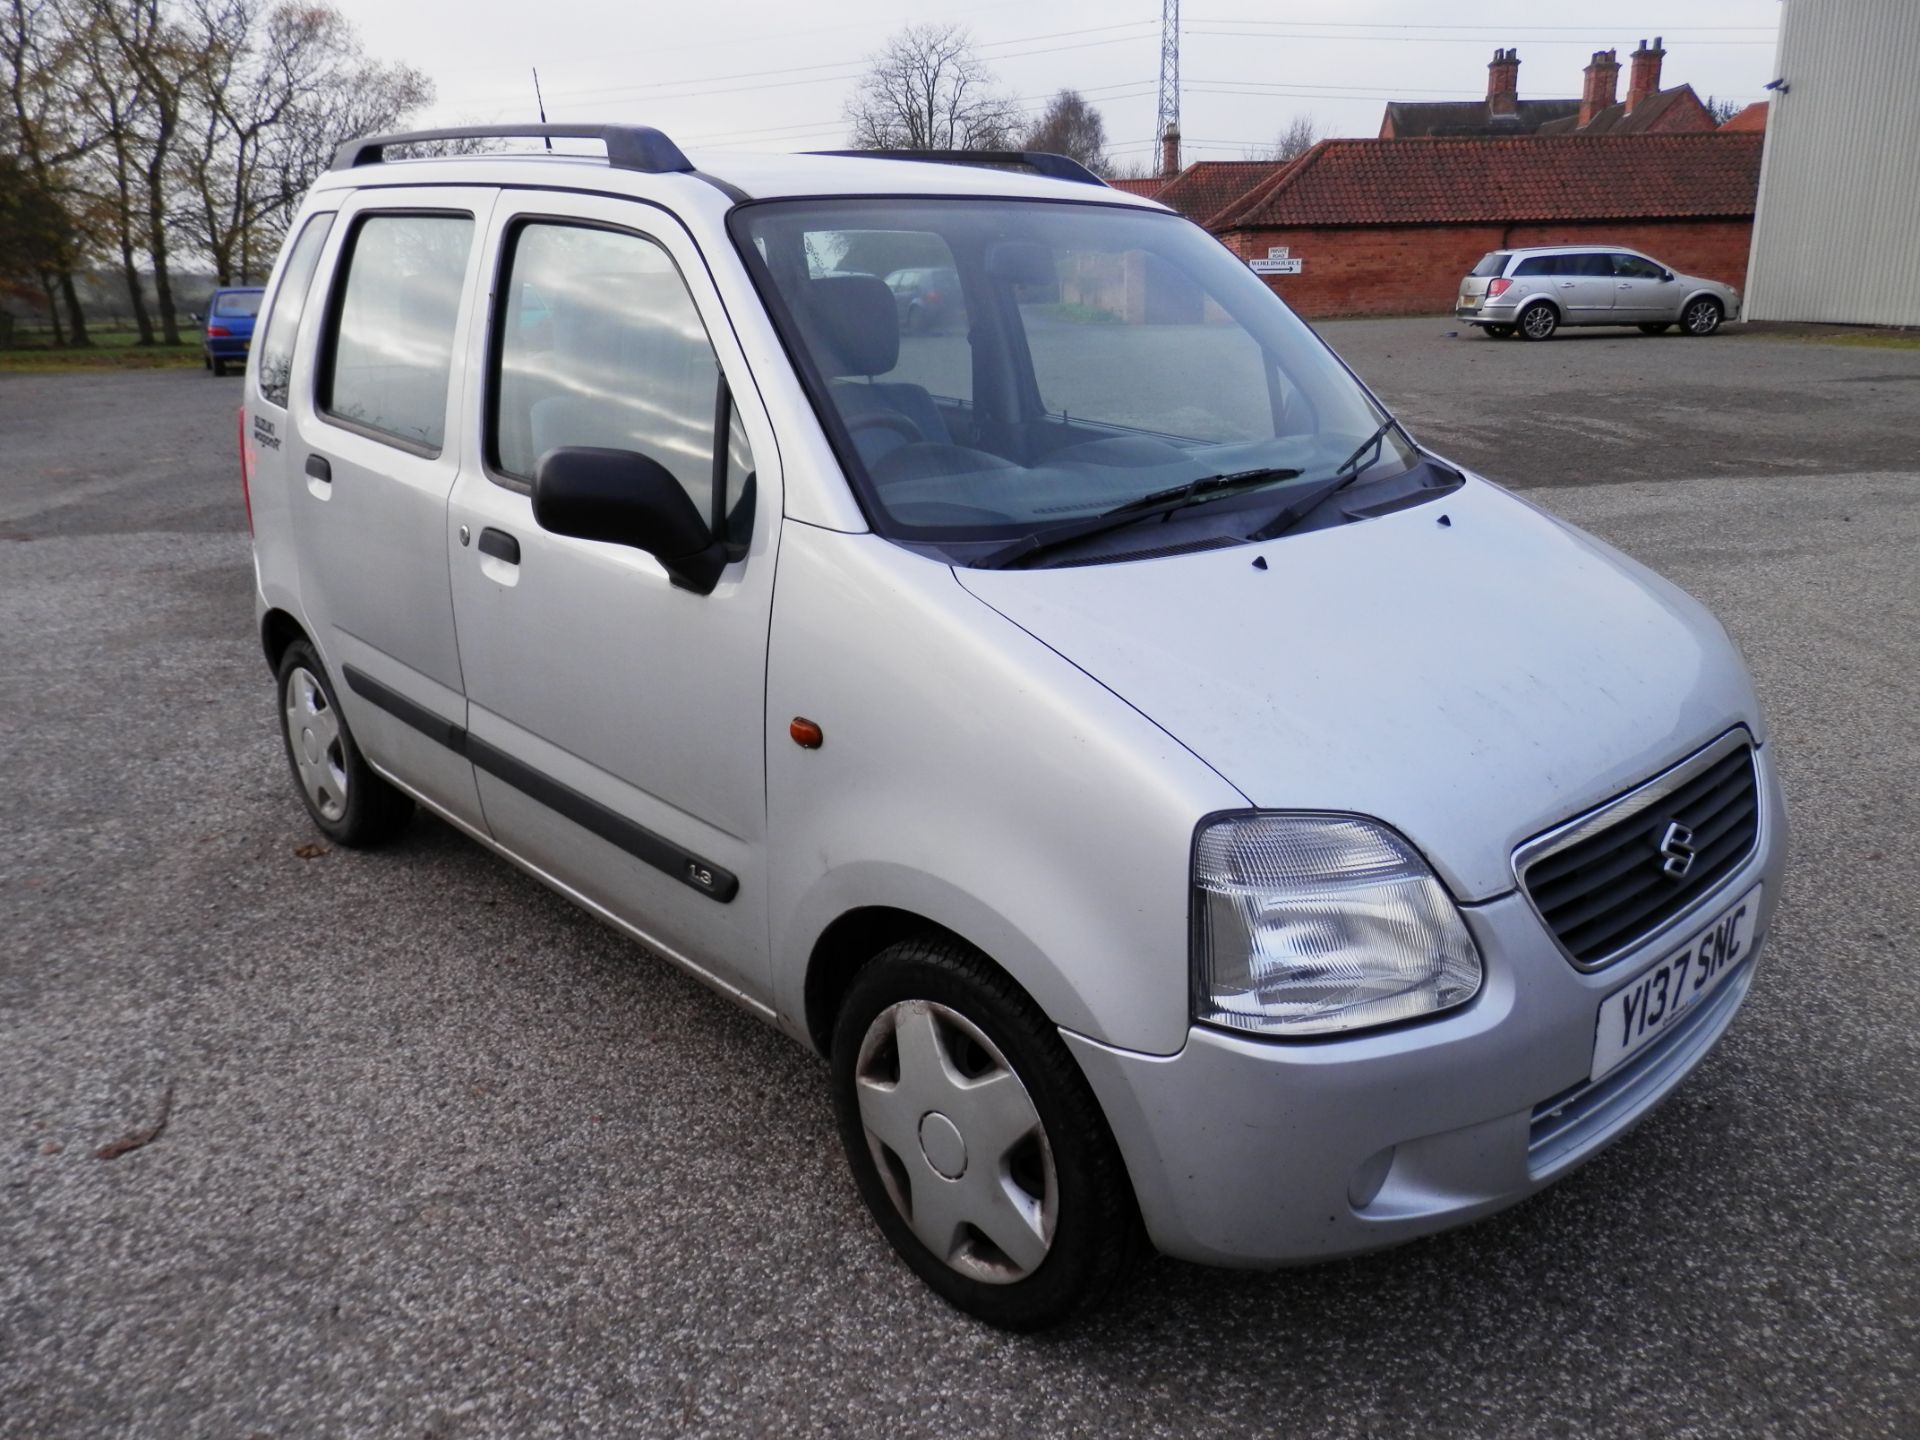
629	147
1041	162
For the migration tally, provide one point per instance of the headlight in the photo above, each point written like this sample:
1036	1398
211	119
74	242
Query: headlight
1313	924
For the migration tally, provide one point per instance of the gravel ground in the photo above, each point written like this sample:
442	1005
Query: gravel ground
446	1158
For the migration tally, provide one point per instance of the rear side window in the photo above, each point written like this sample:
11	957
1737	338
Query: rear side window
391	347
598	343
1492	264
1590	267
289	303
1538	265
238	302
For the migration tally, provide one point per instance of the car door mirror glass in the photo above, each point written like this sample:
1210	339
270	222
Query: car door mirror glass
622	497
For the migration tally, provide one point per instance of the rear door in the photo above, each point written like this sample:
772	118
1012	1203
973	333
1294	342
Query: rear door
372	460
1585	283
616	721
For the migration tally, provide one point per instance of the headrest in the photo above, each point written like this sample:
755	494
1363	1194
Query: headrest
858	329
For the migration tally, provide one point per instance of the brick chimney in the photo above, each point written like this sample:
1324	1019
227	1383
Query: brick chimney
1644	79
1503	82
1170	154
1603	78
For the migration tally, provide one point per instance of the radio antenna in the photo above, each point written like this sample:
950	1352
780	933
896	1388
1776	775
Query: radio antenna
542	104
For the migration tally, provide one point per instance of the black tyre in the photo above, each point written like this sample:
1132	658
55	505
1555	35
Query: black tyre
1655	329
975	1140
1497	332
1538	321
352	806
1701	317
219	367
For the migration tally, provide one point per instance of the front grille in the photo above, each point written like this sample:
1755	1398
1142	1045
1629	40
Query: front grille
1605	884
1589	1113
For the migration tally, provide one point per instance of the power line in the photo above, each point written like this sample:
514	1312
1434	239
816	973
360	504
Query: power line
1667	28
1421	39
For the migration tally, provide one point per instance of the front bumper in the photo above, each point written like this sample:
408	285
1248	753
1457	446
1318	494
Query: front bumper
1253	1153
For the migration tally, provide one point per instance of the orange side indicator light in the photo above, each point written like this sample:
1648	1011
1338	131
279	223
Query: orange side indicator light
806	734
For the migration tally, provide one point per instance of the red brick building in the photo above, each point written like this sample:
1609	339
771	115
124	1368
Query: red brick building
1647	110
1390	226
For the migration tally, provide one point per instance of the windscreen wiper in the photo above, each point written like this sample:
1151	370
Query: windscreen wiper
1349	471
1144	507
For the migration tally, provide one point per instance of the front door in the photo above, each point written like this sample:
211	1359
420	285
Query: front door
1641	291
615	720
369	468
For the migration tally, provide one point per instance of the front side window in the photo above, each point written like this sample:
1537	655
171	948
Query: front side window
1107	356
598	343
289	303
1633	267
391	348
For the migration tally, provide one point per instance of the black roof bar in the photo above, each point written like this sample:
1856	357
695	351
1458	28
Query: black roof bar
1041	162
629	147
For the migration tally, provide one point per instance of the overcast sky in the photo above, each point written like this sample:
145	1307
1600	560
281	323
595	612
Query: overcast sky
765	75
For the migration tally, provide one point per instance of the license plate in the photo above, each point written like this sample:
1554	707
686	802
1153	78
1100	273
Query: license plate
1469	302
1634	1017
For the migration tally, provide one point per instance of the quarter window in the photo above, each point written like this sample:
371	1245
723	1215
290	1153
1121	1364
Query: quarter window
599	344
289	303
391	349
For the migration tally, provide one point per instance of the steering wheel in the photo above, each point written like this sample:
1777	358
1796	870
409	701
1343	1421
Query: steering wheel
887	420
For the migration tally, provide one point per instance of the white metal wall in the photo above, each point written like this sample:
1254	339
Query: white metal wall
1837	232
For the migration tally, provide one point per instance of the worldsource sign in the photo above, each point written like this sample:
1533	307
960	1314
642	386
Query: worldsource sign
1276	267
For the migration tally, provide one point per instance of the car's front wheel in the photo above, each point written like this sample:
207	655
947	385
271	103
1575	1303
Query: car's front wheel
350	803
976	1142
1701	317
1538	321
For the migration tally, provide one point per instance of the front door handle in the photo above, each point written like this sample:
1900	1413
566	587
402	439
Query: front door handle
319	477
1566	284
500	545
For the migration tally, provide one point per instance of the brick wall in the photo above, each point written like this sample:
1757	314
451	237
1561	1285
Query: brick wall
1416	269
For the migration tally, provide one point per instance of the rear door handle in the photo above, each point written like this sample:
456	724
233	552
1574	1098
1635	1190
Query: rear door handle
319	477
500	545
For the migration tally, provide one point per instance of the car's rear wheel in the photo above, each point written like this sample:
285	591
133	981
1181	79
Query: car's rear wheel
1701	317
975	1141
219	366
351	805
1538	321
1497	332
1655	329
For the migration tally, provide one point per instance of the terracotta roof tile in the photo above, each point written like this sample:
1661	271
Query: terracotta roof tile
1471	179
1147	187
1207	187
1754	117
1413	118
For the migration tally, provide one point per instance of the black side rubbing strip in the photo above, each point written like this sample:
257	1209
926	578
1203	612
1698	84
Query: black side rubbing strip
453	736
636	840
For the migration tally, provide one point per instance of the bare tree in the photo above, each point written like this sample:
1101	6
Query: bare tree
1296	137
52	139
1070	126
113	95
279	90
928	90
1722	110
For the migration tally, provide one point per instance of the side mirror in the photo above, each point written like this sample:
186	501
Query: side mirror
194	316
626	498
1666	275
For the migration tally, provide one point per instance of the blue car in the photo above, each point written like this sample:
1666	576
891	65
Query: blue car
229	332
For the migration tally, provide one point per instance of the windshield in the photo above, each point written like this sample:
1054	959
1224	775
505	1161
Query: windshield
990	368
238	302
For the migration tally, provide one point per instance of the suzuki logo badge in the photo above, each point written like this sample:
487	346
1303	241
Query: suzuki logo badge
1676	852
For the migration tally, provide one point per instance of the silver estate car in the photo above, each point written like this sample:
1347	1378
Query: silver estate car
1184	811
1533	292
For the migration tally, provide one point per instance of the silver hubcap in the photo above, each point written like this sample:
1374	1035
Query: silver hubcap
314	732
1702	318
957	1140
1539	322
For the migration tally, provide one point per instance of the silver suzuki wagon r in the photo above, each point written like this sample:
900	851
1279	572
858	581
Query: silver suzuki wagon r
1183	810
